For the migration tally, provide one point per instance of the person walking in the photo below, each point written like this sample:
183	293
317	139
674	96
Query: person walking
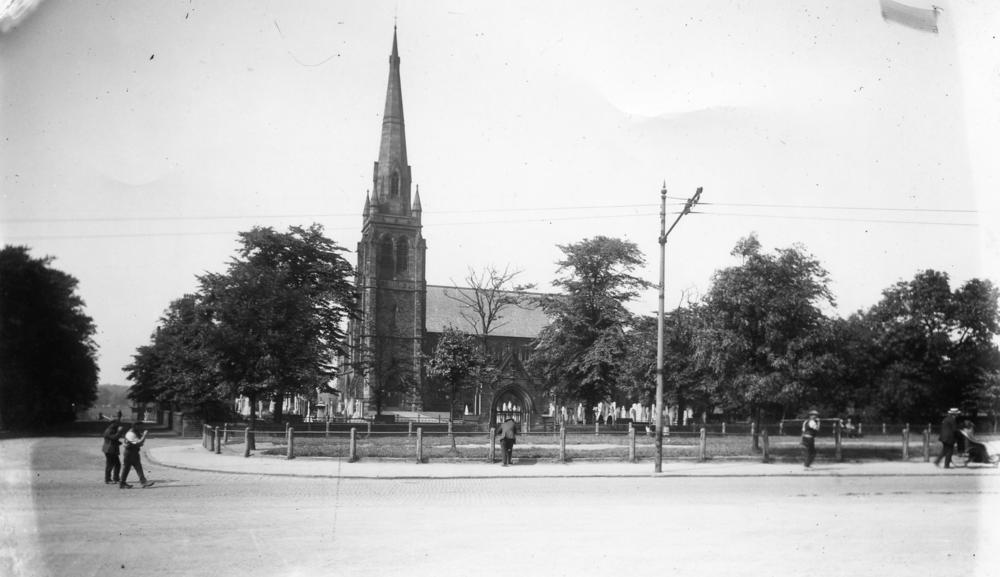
810	428
507	431
134	440
112	452
949	427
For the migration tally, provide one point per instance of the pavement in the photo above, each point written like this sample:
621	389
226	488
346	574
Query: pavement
192	456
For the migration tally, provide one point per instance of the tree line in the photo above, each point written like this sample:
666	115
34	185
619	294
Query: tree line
761	342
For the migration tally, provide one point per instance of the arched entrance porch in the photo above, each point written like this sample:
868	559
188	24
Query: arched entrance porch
514	402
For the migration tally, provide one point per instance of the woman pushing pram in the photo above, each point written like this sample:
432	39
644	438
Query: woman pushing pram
987	453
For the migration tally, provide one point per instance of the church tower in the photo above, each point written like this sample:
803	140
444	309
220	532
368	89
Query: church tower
387	339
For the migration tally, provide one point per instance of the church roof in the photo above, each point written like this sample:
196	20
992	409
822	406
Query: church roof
445	307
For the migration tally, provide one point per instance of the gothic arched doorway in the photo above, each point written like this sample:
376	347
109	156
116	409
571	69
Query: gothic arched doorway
514	402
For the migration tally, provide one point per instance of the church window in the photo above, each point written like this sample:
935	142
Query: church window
385	258
394	184
402	255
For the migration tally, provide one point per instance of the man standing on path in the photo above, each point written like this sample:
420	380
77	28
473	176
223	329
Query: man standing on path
810	428
112	452
134	439
947	437
507	431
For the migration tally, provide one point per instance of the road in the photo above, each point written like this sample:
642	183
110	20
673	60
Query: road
59	518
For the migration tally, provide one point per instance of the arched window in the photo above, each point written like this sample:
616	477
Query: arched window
394	184
402	254
384	258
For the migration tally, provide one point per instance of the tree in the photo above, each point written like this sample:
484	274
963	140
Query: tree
935	346
485	298
48	367
581	353
456	356
683	383
761	318
487	295
278	313
179	366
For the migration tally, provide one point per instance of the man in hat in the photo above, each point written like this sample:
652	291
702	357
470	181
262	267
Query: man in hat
112	452
949	426
810	428
507	432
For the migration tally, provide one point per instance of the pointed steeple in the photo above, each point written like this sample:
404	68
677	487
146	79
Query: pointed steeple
392	172
416	201
368	203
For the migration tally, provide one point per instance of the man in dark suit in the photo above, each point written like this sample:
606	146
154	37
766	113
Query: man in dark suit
949	427
112	450
507	432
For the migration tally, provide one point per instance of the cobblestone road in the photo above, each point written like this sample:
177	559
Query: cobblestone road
60	519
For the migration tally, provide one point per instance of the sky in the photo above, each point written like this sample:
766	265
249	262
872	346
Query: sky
140	137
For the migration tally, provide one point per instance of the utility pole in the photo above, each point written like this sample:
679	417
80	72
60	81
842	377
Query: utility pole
664	232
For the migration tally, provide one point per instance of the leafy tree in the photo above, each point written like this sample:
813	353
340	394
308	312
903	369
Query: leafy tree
456	356
759	339
179	366
683	384
935	346
278	313
580	355
48	367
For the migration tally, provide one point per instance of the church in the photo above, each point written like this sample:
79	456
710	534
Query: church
402	317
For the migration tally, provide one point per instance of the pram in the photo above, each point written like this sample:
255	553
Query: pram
987	453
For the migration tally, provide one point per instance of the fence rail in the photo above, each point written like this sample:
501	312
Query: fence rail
772	443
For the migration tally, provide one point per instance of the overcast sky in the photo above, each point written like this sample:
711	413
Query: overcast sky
140	137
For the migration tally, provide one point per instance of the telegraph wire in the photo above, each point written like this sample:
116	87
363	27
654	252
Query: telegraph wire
521	221
478	211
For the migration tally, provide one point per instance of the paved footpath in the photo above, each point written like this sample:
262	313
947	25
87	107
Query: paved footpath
193	456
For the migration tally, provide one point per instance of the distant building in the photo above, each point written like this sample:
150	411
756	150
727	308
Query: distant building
402	317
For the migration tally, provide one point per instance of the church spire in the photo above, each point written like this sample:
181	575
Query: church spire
392	172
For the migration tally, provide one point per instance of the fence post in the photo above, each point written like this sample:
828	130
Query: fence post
927	444
766	446
837	432
290	437
409	429
352	448
631	443
860	433
753	434
204	441
883	428
906	442
597	427
781	427
420	445
562	443
702	447
183	426
246	442
451	435
327	432
218	442
723	427
225	433
369	433
493	446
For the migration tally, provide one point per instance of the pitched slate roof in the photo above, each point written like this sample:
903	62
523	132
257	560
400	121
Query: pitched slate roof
445	307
